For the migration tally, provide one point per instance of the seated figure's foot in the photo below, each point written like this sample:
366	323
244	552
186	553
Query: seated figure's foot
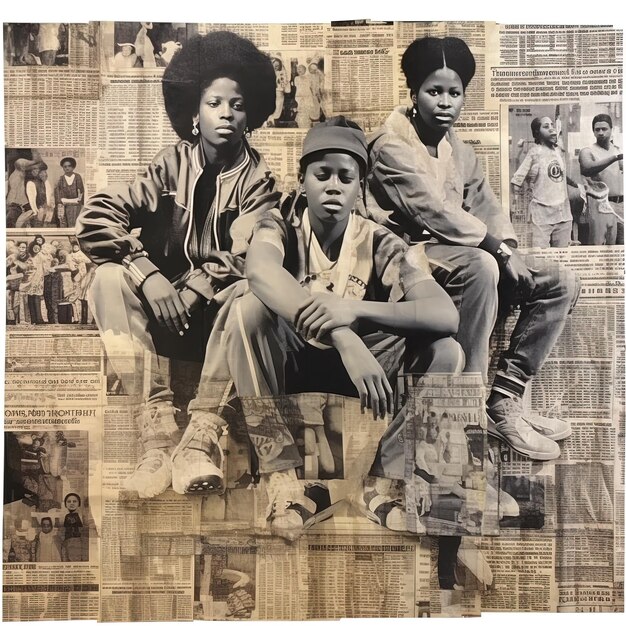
198	460
295	506
158	435
551	427
506	422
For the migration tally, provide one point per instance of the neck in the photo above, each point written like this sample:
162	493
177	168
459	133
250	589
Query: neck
430	137
329	234
605	143
226	157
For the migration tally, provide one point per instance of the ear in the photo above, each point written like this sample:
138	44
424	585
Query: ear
413	97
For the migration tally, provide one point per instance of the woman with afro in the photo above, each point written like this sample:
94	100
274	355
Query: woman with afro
157	294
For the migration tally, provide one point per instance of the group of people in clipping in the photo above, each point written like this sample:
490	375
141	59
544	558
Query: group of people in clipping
601	198
32	202
392	256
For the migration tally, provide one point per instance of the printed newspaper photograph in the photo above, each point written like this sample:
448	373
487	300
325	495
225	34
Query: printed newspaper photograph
312	321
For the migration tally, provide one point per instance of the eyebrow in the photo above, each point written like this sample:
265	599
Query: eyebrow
326	168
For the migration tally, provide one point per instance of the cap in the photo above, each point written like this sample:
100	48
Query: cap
339	134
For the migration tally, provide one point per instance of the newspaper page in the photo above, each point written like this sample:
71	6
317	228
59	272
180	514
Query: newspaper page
325	432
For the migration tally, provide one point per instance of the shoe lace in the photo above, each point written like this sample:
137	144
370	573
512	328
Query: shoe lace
199	430
152	412
512	406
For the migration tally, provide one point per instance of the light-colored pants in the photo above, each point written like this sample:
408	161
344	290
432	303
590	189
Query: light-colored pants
138	348
266	359
552	235
603	226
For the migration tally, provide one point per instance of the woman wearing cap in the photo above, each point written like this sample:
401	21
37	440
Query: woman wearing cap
196	205
69	193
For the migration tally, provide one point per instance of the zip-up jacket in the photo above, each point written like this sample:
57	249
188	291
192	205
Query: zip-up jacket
160	203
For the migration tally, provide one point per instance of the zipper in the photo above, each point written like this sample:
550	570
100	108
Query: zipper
190	224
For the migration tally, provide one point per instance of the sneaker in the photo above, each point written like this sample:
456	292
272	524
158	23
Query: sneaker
550	427
158	435
384	504
517	432
295	506
198	460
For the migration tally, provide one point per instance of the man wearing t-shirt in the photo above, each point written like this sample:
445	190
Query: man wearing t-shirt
602	165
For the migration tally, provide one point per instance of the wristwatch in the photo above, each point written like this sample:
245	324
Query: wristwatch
504	253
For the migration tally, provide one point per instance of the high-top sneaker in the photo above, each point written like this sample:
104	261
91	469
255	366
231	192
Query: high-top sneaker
198	460
158	435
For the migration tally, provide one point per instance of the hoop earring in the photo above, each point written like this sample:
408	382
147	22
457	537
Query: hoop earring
194	131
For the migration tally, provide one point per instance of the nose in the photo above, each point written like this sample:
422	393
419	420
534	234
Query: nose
332	185
444	101
226	111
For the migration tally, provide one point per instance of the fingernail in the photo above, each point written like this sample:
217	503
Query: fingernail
186	327
181	333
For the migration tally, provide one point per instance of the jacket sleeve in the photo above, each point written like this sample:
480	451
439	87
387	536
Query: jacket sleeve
256	200
105	223
57	192
481	202
80	186
399	178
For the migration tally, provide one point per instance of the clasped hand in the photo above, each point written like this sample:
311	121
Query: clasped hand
323	312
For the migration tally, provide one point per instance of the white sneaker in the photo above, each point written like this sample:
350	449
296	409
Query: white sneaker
295	506
198	460
550	427
506	423
158	435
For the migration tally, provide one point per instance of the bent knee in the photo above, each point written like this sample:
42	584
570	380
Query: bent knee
447	356
482	265
249	315
108	278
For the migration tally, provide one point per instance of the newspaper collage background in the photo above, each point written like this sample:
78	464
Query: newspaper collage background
173	557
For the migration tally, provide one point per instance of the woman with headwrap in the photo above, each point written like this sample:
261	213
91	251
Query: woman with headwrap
156	295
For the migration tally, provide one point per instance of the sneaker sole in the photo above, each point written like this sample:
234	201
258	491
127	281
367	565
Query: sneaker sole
205	484
556	437
531	454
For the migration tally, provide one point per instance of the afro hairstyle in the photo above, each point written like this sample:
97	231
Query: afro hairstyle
429	54
205	58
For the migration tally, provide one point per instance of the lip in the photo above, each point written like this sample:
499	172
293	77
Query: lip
444	117
332	205
227	130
